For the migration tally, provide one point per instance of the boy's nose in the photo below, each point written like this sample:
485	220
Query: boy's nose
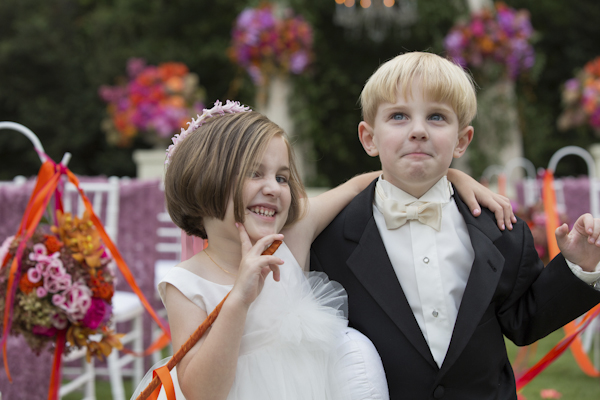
418	132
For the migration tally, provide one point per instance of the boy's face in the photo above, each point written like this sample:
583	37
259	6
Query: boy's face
415	139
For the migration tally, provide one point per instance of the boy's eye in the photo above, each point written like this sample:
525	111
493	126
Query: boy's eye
437	117
399	116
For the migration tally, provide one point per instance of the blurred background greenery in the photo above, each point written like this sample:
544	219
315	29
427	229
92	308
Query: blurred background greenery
55	54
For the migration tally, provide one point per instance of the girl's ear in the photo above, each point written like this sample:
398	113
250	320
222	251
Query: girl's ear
366	135
464	138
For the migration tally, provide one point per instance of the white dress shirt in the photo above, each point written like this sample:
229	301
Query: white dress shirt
433	266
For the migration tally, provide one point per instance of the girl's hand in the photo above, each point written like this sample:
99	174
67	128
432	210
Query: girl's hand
254	267
473	193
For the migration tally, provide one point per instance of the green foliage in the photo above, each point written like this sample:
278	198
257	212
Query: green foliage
55	54
568	38
326	107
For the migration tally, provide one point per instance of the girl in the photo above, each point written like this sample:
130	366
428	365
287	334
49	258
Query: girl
231	178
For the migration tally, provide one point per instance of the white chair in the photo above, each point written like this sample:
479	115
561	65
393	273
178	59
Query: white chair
127	307
169	242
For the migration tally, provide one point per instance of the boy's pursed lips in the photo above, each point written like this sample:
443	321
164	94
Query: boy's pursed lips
417	154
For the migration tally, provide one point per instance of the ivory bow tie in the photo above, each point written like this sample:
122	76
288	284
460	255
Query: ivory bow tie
397	214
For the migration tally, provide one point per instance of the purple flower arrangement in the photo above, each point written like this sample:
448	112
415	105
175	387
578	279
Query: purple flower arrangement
264	44
502	36
155	102
581	99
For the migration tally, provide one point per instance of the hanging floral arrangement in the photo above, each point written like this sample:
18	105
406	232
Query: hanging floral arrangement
496	43
64	284
581	99
154	102
265	43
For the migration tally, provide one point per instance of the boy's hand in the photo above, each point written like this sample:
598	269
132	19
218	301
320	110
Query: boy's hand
581	246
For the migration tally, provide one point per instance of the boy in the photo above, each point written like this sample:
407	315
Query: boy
433	287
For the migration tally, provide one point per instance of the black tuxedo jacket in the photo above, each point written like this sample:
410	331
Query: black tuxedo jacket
509	292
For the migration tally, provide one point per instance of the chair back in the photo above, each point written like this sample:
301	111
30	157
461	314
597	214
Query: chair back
104	196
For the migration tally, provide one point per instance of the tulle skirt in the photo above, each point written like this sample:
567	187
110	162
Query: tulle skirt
288	348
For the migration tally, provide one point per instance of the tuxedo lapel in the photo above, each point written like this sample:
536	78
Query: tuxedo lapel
371	265
481	285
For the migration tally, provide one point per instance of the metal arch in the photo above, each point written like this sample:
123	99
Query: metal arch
34	139
573	150
491	171
591	164
27	132
520	162
529	183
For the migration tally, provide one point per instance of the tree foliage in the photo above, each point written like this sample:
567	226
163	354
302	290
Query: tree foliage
55	54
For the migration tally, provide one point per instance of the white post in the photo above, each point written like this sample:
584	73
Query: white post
273	103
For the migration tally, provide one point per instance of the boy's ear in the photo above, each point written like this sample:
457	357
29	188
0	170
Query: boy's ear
365	135
464	138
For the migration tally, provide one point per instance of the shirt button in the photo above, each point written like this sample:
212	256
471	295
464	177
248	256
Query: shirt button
435	313
426	260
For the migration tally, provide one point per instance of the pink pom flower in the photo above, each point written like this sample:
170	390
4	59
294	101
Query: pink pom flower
59	321
98	313
41	291
34	275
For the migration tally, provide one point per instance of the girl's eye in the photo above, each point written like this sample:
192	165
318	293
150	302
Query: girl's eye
281	179
254	174
399	116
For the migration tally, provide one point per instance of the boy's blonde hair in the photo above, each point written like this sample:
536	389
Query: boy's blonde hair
441	79
213	163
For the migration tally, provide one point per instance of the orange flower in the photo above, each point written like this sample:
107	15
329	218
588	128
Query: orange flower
106	291
26	286
175	84
170	69
176	101
52	244
487	45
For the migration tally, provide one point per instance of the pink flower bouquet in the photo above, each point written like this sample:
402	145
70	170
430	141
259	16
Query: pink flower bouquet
263	43
498	38
155	102
581	99
63	283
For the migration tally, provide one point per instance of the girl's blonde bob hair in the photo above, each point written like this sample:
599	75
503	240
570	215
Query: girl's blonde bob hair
441	79
212	163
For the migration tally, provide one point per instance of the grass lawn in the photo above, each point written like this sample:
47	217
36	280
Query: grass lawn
563	375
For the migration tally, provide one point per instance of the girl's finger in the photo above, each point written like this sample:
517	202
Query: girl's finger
508	214
263	243
276	272
244	238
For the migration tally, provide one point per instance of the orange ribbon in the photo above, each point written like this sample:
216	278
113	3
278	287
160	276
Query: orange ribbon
573	328
164	375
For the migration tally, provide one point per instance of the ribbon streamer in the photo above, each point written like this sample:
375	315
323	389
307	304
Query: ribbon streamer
573	328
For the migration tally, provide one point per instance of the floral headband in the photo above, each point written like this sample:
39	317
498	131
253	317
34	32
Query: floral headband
230	107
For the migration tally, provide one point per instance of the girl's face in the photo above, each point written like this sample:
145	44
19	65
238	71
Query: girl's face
266	192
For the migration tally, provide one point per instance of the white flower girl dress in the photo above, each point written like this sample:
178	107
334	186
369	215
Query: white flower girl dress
296	343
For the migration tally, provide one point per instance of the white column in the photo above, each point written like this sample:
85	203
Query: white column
272	101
